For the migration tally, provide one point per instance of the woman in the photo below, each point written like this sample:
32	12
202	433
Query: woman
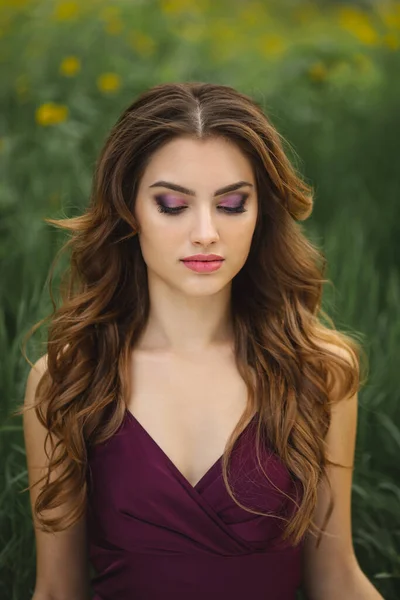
201	418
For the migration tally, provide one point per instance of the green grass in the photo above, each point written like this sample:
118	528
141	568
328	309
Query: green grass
331	95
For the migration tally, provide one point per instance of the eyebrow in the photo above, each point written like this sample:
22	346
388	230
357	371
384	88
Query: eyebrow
179	188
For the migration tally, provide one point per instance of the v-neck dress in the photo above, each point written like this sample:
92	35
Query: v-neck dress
153	535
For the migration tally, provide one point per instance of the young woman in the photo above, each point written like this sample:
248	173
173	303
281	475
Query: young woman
201	419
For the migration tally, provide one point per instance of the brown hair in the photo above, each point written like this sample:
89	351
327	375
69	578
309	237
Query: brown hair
276	303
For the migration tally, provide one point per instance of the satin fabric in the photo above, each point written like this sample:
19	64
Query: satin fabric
153	535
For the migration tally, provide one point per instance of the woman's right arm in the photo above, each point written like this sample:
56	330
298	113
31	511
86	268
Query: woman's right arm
62	568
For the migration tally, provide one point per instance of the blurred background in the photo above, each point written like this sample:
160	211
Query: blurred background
326	74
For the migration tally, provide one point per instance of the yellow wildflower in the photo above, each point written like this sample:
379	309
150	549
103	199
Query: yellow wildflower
70	66
114	26
357	22
65	11
390	15
51	113
318	71
111	15
177	7
109	82
272	45
391	40
142	43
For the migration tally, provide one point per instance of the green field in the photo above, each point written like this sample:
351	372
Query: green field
326	75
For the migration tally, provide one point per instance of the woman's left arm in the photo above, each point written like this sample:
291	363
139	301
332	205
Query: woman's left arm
331	571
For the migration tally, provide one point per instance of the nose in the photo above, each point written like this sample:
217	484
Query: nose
204	230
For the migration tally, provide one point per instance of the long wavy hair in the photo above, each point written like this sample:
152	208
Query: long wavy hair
281	345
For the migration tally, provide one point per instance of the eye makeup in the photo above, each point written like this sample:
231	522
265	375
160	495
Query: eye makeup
231	205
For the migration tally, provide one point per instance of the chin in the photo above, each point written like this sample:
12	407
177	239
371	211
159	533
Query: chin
205	288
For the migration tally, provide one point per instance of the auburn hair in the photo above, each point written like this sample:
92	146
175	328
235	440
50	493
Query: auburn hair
284	352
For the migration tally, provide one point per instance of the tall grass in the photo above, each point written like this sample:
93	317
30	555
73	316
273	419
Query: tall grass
329	80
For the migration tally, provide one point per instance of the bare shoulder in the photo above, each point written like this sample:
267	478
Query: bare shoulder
61	558
34	376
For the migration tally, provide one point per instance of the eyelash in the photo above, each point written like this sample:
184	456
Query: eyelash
178	209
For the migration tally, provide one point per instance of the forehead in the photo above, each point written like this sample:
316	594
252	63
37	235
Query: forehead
186	160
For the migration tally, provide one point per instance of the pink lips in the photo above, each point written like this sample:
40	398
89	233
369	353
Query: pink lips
204	257
203	266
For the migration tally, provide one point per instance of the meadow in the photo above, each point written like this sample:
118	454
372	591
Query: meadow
327	76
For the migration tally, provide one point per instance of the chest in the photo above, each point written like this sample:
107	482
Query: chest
189	407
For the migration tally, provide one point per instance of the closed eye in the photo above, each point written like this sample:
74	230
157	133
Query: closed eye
174	210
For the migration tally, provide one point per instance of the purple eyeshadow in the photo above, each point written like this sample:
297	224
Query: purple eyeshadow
234	204
168	200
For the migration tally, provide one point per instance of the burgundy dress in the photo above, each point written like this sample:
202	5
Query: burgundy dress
152	535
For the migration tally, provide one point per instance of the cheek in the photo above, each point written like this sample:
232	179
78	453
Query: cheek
240	242
242	233
159	230
164	243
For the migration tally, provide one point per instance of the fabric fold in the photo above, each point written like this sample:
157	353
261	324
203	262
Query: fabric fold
152	534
